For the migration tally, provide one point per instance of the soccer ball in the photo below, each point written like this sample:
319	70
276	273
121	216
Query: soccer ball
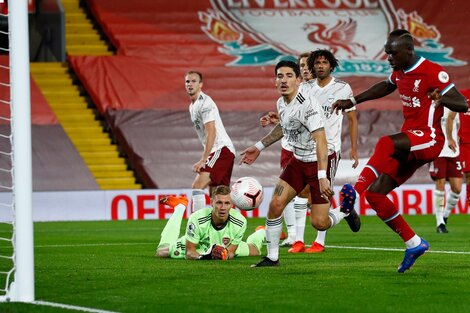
247	193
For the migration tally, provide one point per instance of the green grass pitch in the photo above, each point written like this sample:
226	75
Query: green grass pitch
111	266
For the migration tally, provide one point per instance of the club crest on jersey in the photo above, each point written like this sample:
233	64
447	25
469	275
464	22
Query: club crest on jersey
225	241
416	85
261	32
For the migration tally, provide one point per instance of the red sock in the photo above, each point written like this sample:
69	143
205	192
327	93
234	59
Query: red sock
388	213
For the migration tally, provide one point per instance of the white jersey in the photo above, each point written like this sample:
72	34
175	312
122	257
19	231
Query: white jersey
335	90
204	110
299	118
446	151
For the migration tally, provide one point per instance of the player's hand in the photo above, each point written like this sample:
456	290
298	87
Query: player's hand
325	188
341	105
353	156
249	156
452	144
271	118
197	166
435	95
219	253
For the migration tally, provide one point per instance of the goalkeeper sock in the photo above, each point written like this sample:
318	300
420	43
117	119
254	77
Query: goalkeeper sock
439	206
171	231
199	199
321	235
452	200
300	208
289	218
273	232
257	239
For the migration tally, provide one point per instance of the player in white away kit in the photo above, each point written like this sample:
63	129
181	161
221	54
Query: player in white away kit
216	163
446	167
302	123
327	89
298	206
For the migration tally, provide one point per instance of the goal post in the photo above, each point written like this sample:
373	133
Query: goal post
22	288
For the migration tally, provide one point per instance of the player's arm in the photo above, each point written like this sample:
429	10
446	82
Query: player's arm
322	162
454	100
210	139
377	91
449	129
249	155
191	253
352	119
231	251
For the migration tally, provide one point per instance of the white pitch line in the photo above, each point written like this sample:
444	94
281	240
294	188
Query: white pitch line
96	245
71	307
395	249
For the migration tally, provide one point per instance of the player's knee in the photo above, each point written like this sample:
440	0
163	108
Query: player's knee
276	207
320	223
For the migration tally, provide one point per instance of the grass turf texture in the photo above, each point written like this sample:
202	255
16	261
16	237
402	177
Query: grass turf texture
111	266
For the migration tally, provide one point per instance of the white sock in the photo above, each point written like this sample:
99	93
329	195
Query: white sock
413	242
335	216
452	200
273	232
321	235
289	218
300	208
439	205
199	199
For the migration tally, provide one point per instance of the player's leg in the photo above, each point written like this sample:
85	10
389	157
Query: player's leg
171	230
201	181
300	208
283	194
467	183
454	174
289	219
253	244
383	155
437	171
217	171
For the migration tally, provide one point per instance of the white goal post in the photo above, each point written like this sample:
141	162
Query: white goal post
22	287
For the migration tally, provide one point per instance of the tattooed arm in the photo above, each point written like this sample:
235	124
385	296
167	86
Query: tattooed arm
249	155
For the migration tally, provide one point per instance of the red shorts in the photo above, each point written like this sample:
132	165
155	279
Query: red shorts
298	174
286	155
424	149
219	165
445	167
465	157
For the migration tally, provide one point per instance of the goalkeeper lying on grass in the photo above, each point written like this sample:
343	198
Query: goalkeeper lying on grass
212	233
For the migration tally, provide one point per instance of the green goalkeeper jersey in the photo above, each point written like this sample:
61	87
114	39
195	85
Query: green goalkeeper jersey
201	231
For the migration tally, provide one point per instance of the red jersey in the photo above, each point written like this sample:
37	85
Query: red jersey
464	130
413	85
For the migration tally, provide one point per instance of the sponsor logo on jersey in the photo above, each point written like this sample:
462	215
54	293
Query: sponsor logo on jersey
255	32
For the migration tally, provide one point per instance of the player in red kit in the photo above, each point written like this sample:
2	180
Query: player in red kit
464	143
396	157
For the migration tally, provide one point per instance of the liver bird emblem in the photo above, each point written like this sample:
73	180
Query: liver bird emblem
339	37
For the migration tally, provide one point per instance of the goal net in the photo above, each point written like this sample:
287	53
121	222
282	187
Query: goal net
16	227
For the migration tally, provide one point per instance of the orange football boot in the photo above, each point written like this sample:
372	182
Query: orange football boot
297	247
315	248
173	201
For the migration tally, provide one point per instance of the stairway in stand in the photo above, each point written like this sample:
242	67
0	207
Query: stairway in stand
80	36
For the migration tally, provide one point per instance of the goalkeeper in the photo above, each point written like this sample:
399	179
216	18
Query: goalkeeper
212	233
